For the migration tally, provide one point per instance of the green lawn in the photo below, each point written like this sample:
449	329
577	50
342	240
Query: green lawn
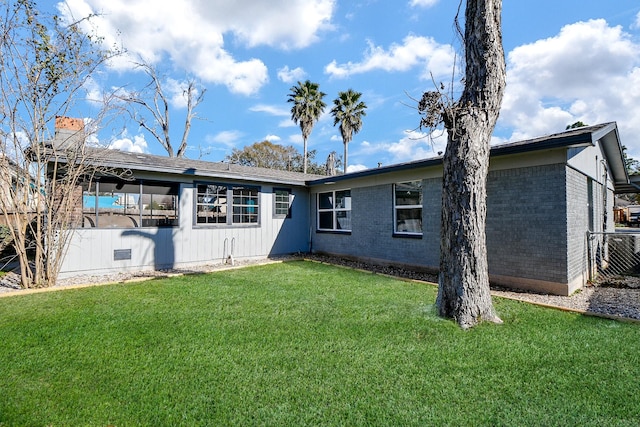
302	343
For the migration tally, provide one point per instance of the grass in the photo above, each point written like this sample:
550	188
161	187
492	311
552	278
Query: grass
302	343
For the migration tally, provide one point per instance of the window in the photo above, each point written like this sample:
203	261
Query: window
213	207
159	205
211	204
282	199
245	205
334	211
407	200
122	204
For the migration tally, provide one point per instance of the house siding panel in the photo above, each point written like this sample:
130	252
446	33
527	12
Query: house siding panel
91	250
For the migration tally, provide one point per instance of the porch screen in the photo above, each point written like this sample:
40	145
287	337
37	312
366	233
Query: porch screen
129	204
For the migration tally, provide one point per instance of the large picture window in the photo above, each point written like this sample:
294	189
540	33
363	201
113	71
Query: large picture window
407	198
123	204
334	211
227	204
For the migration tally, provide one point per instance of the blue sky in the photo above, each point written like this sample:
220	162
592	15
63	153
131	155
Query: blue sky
566	61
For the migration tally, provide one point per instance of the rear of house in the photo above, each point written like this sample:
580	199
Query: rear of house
544	195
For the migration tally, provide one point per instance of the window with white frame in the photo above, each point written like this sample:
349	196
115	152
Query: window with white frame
282	199
407	201
334	210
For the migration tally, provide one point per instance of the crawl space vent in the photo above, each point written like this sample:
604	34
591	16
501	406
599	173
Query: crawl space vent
121	254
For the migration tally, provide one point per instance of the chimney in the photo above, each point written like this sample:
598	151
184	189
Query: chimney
69	133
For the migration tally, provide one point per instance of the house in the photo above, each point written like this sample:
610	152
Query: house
544	195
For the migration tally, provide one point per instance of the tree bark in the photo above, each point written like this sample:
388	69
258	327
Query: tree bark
463	292
305	155
346	153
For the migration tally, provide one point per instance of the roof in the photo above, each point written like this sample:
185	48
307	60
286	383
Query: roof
199	168
607	133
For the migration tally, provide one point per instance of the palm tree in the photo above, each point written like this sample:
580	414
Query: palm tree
348	110
306	109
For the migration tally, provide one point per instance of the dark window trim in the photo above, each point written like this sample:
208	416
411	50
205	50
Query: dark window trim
229	223
406	236
124	186
323	231
288	214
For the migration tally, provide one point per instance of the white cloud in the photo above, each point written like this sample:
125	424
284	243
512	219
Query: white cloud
228	138
414	51
137	144
590	71
636	25
93	90
290	76
296	139
286	124
423	3
356	168
272	110
272	138
174	90
413	145
275	110
192	33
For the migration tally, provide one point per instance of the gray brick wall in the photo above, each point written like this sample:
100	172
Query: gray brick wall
577	222
526	223
532	214
372	228
579	204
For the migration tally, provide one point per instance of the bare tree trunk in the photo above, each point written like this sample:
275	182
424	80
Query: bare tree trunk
463	292
193	100
157	105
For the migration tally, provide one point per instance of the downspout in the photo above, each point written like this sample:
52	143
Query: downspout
605	176
310	242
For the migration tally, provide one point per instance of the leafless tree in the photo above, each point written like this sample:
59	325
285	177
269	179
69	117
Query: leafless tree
463	292
45	65
154	102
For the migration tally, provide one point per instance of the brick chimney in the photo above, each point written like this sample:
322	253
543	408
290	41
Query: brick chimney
69	133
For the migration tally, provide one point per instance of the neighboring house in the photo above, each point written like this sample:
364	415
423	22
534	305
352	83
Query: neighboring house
19	190
544	195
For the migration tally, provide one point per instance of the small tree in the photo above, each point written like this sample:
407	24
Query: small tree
306	110
348	110
154	102
45	63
